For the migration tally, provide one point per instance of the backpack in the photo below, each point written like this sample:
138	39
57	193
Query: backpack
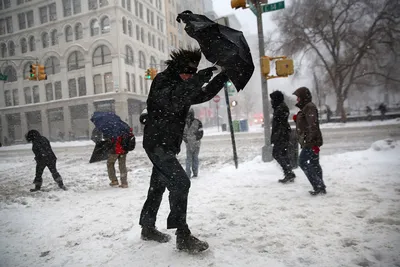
128	142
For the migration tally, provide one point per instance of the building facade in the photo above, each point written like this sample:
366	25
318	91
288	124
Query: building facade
95	52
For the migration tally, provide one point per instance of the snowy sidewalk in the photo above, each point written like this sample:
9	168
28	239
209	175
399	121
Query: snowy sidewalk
248	218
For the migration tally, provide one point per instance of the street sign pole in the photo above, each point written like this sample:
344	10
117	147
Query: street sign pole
267	148
228	108
217	116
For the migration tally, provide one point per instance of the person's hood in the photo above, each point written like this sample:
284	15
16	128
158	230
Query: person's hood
277	98
304	94
32	135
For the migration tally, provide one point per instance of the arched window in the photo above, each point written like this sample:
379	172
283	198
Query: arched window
11	48
32	43
153	62
142	34
11	74
68	34
128	5
137	32
24	46
123	3
130	28
149	38
94	27
105	25
142	60
3	50
27	69
124	25
45	40
52	65
101	56
78	31
54	37
129	55
76	61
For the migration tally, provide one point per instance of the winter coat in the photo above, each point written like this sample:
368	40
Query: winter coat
280	126
41	147
307	121
193	133
168	104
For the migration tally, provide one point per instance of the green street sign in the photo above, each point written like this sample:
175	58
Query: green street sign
268	7
3	77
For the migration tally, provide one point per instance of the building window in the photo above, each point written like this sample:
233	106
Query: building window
123	25
15	97
7	4
137	32
108	82
7	98
133	83
22	21
153	62
36	95
105	25
101	56
76	61
67	8
29	18
136	8
97	84
72	88
141	10
49	92
149	38
11	73
78	31
52	65
128	5
28	95
142	35
129	55
153	41
123	3
58	90
128	82
3	50
9	25
94	27
141	85
103	3
45	40
32	43
148	16
142	60
54	37
68	34
53	12
11	48
43	14
24	46
82	86
130	29
76	4
2	26
92	4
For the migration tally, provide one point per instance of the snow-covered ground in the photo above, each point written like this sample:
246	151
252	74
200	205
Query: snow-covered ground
248	218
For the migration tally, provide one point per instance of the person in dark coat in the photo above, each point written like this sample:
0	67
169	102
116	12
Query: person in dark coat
310	139
172	93
191	136
383	109
280	135
44	157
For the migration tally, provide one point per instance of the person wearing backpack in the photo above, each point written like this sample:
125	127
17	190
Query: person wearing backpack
121	146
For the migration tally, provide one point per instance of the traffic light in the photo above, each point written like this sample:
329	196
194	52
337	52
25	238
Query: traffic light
238	4
228	84
41	73
33	72
234	103
148	74
284	67
265	65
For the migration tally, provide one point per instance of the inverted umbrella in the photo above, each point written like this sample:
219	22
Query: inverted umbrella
110	124
221	45
101	151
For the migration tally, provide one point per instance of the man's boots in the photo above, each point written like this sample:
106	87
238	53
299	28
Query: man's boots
37	188
61	185
186	242
151	233
289	178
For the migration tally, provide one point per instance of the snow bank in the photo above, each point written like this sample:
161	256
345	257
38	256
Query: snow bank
386	144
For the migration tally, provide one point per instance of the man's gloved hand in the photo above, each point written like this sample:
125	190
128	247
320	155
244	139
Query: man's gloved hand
294	117
315	149
205	75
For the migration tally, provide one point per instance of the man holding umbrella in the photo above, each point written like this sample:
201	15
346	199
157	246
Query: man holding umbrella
172	93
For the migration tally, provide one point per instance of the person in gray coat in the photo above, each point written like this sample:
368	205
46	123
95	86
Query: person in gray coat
192	135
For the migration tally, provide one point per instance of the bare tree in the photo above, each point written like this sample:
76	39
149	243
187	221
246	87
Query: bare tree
344	36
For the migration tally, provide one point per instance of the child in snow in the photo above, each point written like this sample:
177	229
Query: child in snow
44	157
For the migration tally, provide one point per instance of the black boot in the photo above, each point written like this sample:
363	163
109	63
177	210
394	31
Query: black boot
186	242
61	185
318	191
289	178
151	233
37	188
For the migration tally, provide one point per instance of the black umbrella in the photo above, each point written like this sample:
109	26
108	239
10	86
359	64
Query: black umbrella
221	45
101	151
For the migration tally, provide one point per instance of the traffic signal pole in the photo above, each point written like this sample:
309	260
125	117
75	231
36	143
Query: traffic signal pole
266	153
228	109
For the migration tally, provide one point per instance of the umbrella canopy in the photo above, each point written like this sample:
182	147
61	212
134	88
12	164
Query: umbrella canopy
101	151
110	124
221	45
